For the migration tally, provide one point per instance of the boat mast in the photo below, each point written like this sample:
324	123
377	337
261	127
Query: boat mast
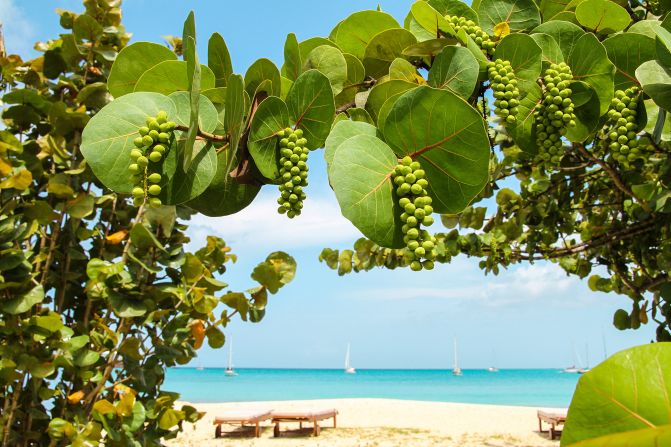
347	358
456	363
230	355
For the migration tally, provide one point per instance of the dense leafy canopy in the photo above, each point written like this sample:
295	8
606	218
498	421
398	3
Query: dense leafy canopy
575	156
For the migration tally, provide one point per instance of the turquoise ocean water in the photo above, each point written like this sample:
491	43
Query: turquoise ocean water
532	387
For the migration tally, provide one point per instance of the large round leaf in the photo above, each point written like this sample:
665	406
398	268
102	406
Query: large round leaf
219	59
448	137
520	15
132	62
353	34
656	82
589	63
525	56
308	45
383	48
566	34
271	116
647	437
552	54
108	137
629	391
455	69
184	186
260	71
381	92
361	178
224	196
602	16
628	51
356	73
171	76
523	131
342	131
331	62
431	20
454	8
311	107
586	112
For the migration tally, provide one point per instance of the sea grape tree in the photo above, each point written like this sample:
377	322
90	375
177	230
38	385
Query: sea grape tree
555	110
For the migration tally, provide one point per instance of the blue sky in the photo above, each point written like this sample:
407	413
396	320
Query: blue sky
528	316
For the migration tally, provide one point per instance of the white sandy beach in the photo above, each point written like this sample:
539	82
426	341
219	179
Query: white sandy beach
380	423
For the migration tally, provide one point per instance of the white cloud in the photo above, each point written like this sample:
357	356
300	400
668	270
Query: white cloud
520	285
19	32
260	228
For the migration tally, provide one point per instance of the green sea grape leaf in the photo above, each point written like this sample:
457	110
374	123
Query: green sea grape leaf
171	76
107	140
186	185
629	391
628	51
521	15
234	112
431	20
381	92
293	63
353	34
278	270
403	70
416	29
589	63
656	82
455	69
525	56
551	52
358	114
188	151
219	59
383	48
647	437
356	73
550	8
586	112
645	27
23	303
663	44
523	131
224	196
342	131
271	116
311	107
448	137
217	95
131	62
602	16
308	45
330	62
361	178
566	34
262	70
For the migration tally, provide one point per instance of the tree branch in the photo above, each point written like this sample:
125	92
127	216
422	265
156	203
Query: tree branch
206	135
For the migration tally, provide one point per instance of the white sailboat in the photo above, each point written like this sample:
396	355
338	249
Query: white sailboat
456	371
573	369
229	369
493	369
348	366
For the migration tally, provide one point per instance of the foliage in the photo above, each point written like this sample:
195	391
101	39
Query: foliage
572	166
99	297
630	391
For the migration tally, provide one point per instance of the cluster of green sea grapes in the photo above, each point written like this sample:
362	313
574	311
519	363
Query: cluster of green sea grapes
411	185
555	115
622	128
506	93
474	31
293	171
150	149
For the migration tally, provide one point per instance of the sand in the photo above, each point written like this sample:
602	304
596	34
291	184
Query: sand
379	423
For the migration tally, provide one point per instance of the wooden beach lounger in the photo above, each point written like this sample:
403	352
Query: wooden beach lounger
300	416
553	417
242	417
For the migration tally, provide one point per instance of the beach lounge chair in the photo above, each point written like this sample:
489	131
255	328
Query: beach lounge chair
553	417
308	415
242	417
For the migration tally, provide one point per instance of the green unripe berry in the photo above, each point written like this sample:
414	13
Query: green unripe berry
413	233
135	154
138	192
134	168
154	190
154	178
416	189
155	156
428	265
147	140
419	252
407	161
155	202
404	201
142	162
415	266
139	142
138	201
164	137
